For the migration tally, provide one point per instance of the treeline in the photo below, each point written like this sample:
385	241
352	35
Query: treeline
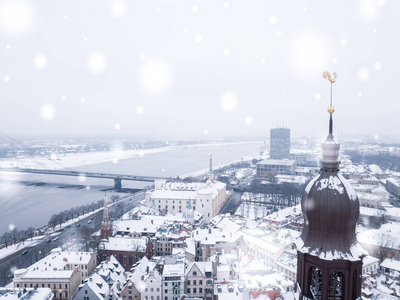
383	160
17	236
76	212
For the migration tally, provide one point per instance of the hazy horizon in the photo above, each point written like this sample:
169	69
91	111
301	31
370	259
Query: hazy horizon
197	70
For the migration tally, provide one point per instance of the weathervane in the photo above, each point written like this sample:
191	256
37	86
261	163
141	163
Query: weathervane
331	109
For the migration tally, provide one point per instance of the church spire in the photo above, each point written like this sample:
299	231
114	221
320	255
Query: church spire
329	257
210	170
105	223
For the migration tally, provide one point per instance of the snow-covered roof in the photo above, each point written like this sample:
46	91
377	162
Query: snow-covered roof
29	294
143	226
174	270
285	162
202	266
55	265
391	264
98	285
124	244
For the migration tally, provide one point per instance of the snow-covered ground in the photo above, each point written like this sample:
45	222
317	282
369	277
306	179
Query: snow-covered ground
63	161
4	252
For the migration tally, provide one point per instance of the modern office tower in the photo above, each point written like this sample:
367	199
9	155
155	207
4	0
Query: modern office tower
279	143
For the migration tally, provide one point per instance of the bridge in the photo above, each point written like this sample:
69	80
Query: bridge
116	177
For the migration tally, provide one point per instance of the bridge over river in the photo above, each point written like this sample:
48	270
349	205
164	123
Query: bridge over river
116	177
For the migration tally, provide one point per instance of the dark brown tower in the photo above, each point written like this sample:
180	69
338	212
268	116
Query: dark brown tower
105	223
329	258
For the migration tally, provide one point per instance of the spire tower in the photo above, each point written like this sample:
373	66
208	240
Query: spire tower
210	170
329	258
105	223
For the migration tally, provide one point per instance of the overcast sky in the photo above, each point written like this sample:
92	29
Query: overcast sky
198	69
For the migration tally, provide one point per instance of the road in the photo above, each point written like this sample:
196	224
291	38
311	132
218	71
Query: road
231	205
54	241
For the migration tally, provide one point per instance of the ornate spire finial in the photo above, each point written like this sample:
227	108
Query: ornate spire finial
330	149
331	109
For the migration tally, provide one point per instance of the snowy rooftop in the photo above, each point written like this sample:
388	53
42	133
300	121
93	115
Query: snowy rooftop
284	214
124	244
29	294
391	264
202	265
143	226
174	270
395	181
286	162
55	265
185	191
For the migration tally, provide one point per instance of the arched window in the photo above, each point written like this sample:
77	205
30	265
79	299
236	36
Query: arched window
335	290
316	283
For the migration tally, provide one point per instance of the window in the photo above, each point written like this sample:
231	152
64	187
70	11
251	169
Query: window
200	281
200	290
152	289
86	292
194	290
146	289
158	289
42	284
188	282
66	294
166	284
66	286
194	281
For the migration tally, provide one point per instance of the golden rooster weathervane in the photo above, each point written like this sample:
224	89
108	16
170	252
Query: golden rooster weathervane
328	76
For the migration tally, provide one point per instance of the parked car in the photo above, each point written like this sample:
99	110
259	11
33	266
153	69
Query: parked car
25	252
78	225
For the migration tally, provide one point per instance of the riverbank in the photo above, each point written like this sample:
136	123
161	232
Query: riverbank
74	160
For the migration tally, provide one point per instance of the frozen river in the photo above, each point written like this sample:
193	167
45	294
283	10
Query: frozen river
25	204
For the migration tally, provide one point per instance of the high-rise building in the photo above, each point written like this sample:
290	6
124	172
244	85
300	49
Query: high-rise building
329	258
279	143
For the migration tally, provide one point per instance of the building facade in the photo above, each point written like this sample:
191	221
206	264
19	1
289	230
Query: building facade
62	272
279	143
271	167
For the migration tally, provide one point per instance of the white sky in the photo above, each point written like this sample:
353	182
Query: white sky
183	68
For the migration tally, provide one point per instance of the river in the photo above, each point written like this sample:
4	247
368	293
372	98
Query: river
30	199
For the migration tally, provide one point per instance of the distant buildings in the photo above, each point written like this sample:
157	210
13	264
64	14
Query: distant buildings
181	197
271	167
393	186
279	143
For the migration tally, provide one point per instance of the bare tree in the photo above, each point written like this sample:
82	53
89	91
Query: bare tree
385	242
